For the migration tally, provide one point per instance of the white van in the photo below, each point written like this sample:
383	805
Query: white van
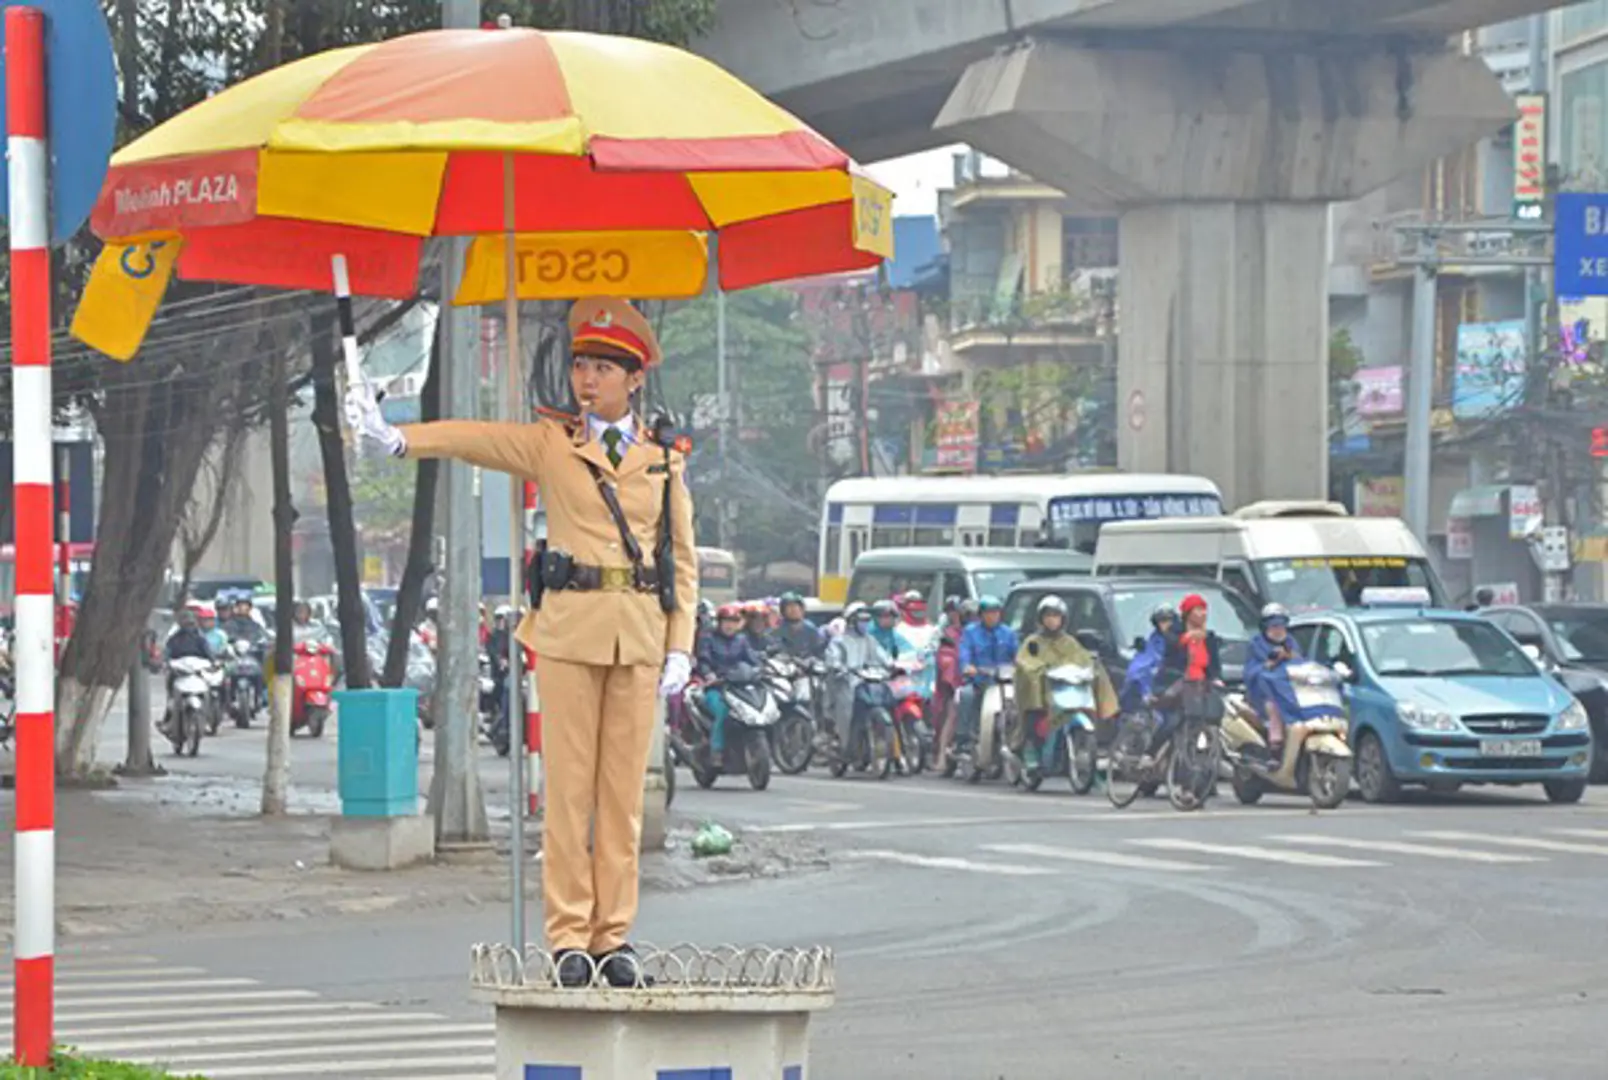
1307	556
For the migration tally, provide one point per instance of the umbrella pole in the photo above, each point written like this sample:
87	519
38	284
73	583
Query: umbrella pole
515	716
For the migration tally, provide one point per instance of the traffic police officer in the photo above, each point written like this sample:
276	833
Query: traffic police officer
601	636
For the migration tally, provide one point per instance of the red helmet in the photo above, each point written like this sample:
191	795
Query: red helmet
729	611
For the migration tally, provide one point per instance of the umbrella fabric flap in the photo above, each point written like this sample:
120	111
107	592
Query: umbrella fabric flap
286	254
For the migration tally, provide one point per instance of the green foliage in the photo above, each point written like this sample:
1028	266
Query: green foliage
382	494
1345	358
771	382
68	1066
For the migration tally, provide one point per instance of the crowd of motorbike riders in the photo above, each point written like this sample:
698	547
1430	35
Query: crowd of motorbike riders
884	689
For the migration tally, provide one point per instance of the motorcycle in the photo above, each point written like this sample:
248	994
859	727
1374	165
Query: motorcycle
217	680
913	742
1072	747
310	693
792	681
1316	760
986	754
869	746
191	707
243	694
751	713
493	716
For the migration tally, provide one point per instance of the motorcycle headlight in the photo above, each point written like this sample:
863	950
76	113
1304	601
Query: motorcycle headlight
1573	718
1420	718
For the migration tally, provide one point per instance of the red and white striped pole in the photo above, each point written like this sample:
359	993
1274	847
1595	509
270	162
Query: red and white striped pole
34	936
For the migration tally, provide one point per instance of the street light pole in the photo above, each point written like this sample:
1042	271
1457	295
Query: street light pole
456	800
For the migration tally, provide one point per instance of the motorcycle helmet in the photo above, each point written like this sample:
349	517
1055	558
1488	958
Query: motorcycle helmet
790	598
1163	613
884	607
1052	604
1275	614
729	611
706	609
952	604
989	603
205	611
856	614
968	608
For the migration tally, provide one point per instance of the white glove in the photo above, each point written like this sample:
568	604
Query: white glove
677	671
363	416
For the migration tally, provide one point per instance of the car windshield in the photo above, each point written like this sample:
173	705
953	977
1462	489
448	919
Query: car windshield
1227	615
997	583
1582	636
1422	648
1325	583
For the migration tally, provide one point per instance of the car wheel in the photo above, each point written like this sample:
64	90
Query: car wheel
1374	778
1564	791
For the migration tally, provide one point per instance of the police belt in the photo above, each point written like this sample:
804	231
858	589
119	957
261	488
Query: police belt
612	579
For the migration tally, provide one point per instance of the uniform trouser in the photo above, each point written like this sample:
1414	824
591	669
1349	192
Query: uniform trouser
595	741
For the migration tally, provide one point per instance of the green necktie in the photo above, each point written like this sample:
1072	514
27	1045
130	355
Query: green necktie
611	442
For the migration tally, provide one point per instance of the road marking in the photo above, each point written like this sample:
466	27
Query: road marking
388	1046
306	1006
820	806
1293	858
157	984
368	1014
909	823
1099	858
200	1042
1589	834
359	1068
938	862
1394	847
1539	844
70	999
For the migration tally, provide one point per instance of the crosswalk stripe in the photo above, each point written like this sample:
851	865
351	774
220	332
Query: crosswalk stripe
1293	858
69	999
68	1016
249	1038
207	1059
1589	834
370	1014
1565	847
941	862
359	1068
1394	847
1098	858
159	984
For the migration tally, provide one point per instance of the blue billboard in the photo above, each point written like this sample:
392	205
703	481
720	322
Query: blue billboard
1580	244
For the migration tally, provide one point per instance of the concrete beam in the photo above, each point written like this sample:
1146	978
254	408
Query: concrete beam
1134	126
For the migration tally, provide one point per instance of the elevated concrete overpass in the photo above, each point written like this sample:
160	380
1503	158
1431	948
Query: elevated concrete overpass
1220	130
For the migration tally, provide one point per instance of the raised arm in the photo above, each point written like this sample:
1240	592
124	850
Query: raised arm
506	447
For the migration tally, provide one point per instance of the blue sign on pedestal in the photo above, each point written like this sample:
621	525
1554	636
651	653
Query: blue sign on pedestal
80	108
1580	244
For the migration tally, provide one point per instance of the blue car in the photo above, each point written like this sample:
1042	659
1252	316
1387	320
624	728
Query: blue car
1445	698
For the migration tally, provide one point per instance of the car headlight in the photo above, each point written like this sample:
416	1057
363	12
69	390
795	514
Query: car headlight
1420	718
1573	718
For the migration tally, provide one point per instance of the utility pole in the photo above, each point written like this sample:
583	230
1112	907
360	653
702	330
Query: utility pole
456	800
722	395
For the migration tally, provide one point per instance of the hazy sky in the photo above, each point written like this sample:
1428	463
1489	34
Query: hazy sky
916	179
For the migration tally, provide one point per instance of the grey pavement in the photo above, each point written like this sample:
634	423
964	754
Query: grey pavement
986	934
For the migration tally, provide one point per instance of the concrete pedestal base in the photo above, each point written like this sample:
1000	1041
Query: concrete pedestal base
734	1013
381	843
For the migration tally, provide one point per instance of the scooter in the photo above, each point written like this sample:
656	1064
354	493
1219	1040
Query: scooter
987	755
310	694
751	714
493	717
792	683
217	680
190	704
869	746
1317	758
244	671
1072	748
912	736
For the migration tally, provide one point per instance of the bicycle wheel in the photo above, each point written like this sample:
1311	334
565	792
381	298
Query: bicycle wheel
1123	776
1192	770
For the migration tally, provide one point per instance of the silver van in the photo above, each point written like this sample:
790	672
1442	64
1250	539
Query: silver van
969	573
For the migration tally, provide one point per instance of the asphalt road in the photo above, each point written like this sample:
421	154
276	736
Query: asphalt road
985	934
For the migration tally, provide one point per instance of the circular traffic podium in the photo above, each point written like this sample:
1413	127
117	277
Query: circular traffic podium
708	1014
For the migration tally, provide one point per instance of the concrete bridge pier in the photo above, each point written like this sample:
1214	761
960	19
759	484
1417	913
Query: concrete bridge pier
1222	164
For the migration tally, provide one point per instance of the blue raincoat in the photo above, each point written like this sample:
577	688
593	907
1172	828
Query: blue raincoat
1264	684
1142	672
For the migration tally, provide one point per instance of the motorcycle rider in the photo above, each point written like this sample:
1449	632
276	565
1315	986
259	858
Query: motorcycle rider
796	637
1192	661
913	607
885	628
947	680
302	626
850	651
1050	647
1267	677
240	625
1140	680
756	626
207	617
720	653
187	640
986	644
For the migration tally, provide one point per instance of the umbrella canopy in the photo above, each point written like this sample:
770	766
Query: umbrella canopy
612	159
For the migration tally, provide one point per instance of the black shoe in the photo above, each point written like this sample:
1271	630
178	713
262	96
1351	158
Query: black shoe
622	970
575	968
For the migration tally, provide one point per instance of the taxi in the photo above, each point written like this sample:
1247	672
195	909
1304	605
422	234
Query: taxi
1446	698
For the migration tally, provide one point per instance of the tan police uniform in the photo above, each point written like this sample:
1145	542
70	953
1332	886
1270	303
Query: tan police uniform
600	651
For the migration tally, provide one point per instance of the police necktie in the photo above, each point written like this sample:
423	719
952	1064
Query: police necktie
611	442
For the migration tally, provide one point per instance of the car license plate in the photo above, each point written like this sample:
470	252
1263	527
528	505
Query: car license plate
1510	748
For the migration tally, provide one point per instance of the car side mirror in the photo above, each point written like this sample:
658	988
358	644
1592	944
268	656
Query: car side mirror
1343	669
1532	651
1138	644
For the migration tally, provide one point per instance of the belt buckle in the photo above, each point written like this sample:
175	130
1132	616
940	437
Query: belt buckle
616	578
